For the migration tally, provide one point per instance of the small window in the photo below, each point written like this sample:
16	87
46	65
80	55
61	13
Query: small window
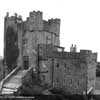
70	81
65	68
78	82
26	62
64	65
43	77
57	80
24	41
64	80
57	65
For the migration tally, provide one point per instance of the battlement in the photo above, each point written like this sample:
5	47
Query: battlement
56	21
12	21
14	17
85	51
45	25
35	13
83	55
88	56
52	25
34	21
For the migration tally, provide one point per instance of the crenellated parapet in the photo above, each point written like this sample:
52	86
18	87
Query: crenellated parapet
12	21
34	22
13	28
15	17
88	56
52	25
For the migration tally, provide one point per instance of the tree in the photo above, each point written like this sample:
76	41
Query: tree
30	85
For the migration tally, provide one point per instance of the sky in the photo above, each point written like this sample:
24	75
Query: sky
80	20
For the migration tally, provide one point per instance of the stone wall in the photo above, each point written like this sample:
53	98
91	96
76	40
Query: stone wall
70	76
11	41
71	72
36	32
30	33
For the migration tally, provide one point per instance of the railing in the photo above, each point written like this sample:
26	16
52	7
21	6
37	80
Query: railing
10	75
89	90
29	69
7	77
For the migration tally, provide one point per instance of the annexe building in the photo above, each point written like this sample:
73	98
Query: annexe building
73	72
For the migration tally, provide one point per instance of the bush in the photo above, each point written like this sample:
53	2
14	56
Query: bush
31	85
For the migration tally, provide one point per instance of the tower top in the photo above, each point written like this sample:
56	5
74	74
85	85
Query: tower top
56	21
7	14
35	13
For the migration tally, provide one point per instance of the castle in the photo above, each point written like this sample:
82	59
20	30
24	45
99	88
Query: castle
35	43
29	33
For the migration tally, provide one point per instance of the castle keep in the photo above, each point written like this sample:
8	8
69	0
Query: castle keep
30	33
35	43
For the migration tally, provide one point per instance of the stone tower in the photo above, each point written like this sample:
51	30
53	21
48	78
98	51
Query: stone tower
36	32
12	41
28	34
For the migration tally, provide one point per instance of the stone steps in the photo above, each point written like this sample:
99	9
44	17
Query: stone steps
13	83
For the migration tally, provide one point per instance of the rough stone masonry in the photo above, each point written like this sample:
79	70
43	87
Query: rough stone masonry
35	38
